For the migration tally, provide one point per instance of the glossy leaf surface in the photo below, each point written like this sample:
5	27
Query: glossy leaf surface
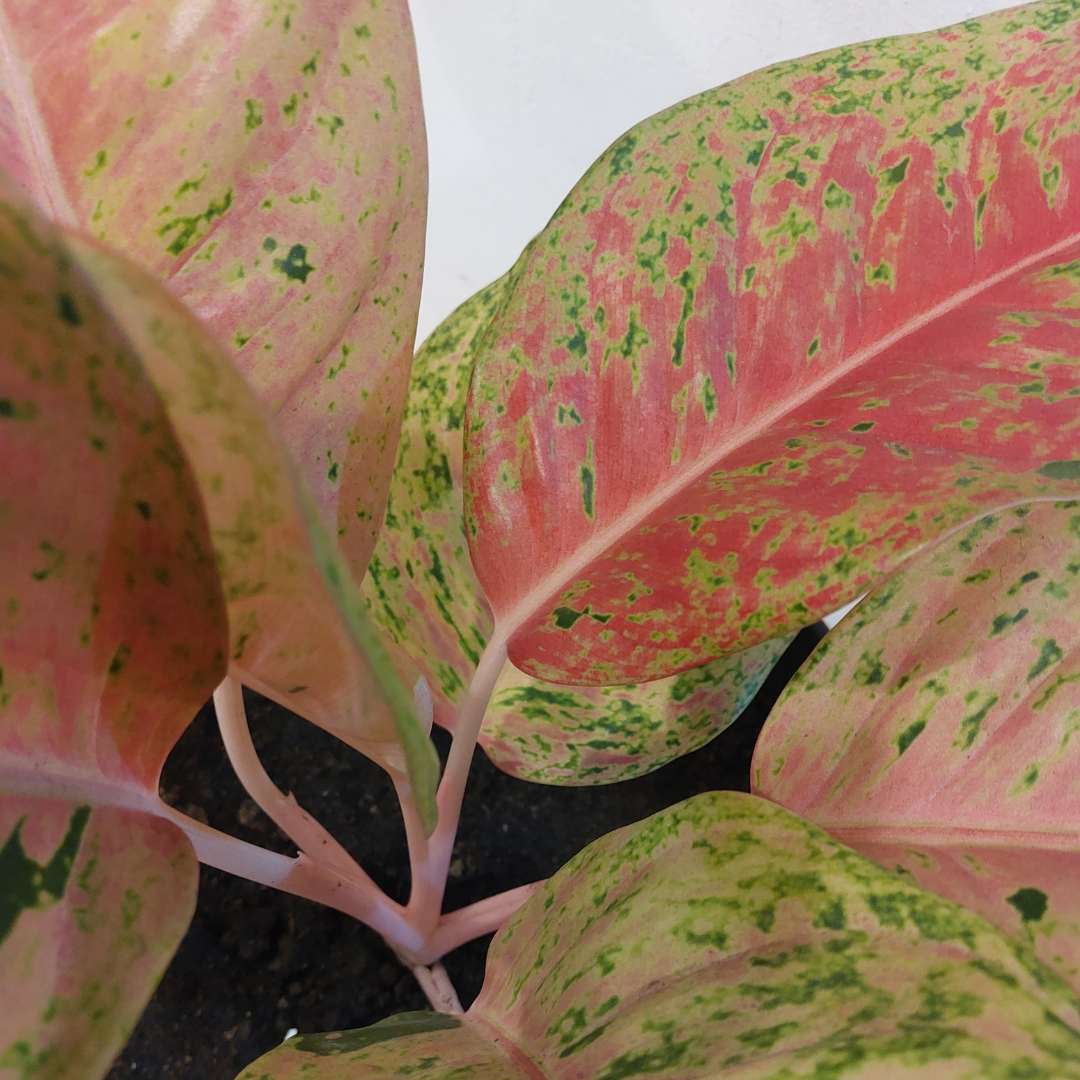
296	624
727	937
93	903
777	337
269	163
423	593
113	634
935	728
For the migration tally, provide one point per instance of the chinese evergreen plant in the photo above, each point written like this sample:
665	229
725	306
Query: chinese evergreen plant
806	335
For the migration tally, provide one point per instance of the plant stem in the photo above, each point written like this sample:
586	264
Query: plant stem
414	835
438	988
429	874
308	835
477	919
303	876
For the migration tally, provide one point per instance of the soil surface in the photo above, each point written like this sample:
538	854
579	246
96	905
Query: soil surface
257	962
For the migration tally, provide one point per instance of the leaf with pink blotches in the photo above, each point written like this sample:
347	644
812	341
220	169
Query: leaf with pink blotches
270	165
422	592
935	728
93	903
780	335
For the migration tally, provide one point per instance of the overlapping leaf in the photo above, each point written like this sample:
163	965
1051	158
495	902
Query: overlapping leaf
727	937
935	728
297	629
269	163
423	593
113	627
93	903
777	337
113	633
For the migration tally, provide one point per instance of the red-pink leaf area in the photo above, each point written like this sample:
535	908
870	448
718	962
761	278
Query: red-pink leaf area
113	630
287	636
423	594
93	903
113	633
725	937
270	164
935	728
777	337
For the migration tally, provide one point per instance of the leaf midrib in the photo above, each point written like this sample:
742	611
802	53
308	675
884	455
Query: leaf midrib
548	588
933	835
62	780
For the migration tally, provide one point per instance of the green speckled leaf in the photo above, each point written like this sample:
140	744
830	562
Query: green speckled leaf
602	734
93	904
423	594
726	937
420	585
780	335
268	161
936	727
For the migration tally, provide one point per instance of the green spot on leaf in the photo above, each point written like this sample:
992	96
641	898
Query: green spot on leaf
253	114
1031	903
1050	653
587	482
295	264
909	735
100	161
1002	623
897	173
1061	470
66	309
23	881
189	229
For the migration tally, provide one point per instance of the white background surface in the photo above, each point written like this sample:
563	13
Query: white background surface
521	96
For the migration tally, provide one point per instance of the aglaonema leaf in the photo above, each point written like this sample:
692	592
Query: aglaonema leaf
270	165
776	338
297	626
93	903
113	633
935	728
423	593
726	937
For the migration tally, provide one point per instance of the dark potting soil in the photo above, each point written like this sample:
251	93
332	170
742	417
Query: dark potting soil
257	962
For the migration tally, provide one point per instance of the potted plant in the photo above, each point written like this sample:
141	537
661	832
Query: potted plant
800	336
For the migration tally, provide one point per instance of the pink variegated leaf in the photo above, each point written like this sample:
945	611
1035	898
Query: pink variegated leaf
935	729
298	632
727	938
269	163
422	592
93	903
780	335
113	632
